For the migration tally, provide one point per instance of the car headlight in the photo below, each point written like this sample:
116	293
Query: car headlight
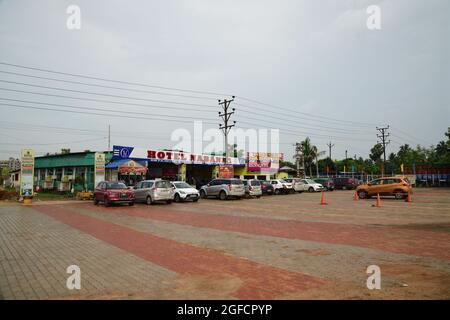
182	192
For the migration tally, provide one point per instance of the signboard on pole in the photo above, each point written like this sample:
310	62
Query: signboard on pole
26	173
99	168
263	162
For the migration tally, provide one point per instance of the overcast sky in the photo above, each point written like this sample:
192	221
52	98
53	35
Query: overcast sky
315	58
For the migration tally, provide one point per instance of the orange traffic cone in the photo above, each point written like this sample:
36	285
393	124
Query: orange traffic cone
355	196
322	200
378	205
409	199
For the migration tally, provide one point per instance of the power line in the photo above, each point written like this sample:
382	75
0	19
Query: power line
107	87
103	101
105	94
115	81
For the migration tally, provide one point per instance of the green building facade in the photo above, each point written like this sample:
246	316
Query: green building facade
64	172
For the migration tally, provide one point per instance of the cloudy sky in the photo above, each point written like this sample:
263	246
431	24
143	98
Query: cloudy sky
309	68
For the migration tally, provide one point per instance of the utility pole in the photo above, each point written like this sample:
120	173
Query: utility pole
383	135
298	157
345	162
225	127
109	137
329	148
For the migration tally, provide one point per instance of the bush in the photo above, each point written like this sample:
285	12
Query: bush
8	195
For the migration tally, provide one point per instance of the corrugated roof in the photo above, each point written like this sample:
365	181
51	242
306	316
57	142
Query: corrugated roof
75	159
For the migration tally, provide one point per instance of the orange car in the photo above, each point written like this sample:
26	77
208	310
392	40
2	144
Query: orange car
387	186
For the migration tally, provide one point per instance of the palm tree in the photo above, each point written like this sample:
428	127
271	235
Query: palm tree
308	154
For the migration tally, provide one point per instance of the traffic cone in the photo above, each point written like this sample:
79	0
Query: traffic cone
355	196
378	205
322	200
409	199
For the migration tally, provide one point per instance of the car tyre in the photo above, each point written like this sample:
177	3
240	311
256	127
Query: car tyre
222	195
277	191
202	194
363	194
107	203
131	204
95	201
311	189
195	200
177	198
398	195
169	201
148	200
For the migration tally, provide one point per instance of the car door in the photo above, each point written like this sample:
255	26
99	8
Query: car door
98	193
217	187
138	191
375	186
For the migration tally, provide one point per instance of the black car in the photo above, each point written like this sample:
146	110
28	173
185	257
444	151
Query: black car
267	188
327	183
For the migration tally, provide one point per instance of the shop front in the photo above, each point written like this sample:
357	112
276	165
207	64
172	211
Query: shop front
196	169
127	171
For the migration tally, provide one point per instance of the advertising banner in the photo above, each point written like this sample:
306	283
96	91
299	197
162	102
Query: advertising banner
99	168
177	157
263	162
226	171
27	172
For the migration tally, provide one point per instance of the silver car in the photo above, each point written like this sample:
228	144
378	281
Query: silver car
184	192
150	191
253	188
223	189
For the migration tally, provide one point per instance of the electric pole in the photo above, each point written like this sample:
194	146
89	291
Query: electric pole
226	127
329	148
383	135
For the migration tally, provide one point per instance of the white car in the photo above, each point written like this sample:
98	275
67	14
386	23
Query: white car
310	185
281	186
297	185
183	192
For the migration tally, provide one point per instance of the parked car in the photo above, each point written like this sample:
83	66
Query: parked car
345	183
281	186
184	192
267	188
252	188
223	189
327	183
310	185
113	192
296	184
388	186
151	191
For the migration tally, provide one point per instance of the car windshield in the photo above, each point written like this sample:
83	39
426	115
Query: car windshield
237	182
182	185
255	183
115	185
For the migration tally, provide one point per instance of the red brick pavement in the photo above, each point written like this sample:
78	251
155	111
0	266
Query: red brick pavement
258	281
397	240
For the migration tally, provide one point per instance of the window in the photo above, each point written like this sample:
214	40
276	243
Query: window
255	183
163	184
235	182
375	182
115	185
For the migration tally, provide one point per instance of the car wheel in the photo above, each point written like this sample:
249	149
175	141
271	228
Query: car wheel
222	195
131	204
311	189
202	194
362	194
95	201
107	204
177	198
195	200
277	191
257	197
169	201
398	195
148	200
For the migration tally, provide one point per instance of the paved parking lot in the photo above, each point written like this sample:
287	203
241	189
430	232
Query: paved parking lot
276	247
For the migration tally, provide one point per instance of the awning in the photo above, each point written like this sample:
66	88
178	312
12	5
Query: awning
127	166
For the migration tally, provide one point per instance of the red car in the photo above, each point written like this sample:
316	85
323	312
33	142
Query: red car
113	192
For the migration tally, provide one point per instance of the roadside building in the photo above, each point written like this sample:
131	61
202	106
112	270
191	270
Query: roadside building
66	171
11	164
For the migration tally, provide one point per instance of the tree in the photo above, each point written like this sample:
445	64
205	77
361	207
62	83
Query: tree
376	152
308	154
